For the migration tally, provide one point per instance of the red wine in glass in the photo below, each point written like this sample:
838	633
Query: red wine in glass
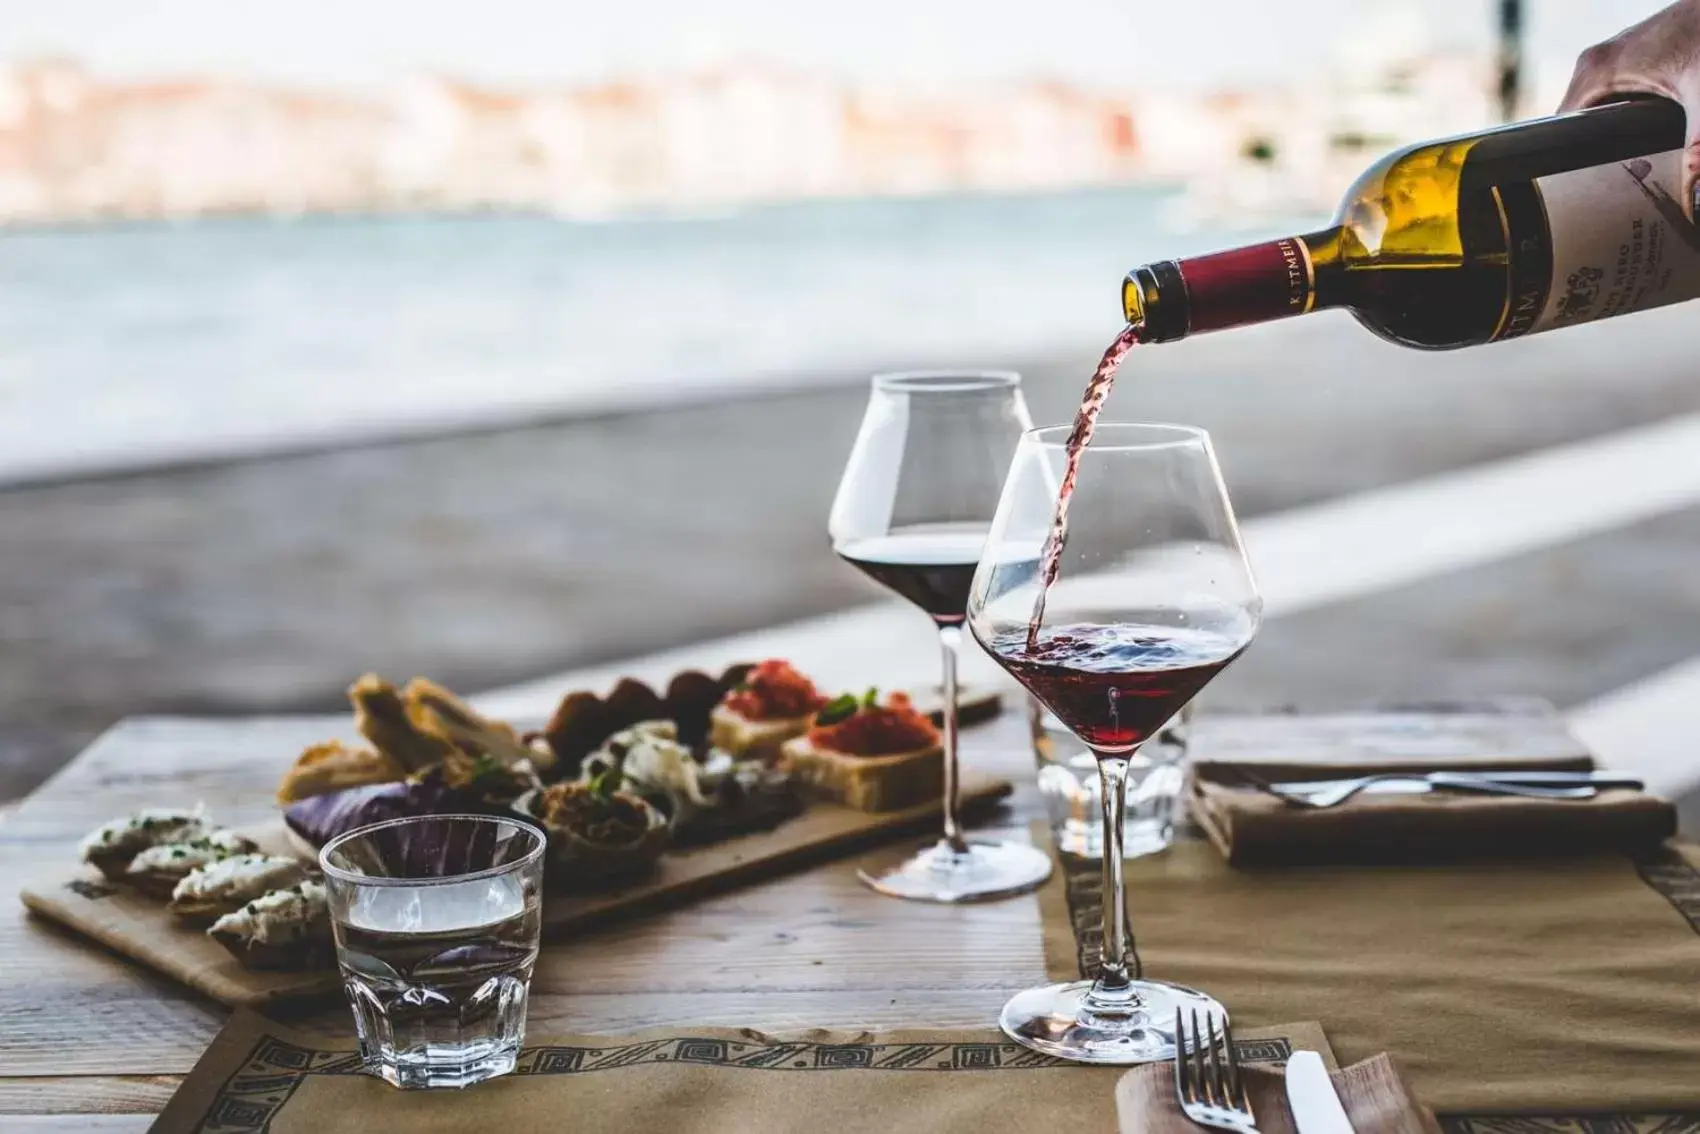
1157	603
1115	686
918	494
931	565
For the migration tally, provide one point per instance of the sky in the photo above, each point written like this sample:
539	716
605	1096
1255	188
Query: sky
1127	44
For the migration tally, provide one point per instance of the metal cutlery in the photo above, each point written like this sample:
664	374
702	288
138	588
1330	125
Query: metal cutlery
1312	1098
1319	794
1208	1083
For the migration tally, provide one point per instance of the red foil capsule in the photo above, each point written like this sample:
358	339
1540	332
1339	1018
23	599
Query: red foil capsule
1248	285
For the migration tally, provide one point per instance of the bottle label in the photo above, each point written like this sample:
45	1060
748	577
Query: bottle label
1620	242
1248	285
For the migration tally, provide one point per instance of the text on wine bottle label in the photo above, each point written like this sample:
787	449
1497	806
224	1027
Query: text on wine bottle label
1620	242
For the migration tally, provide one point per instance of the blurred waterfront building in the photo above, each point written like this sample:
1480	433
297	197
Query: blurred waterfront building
1292	151
75	147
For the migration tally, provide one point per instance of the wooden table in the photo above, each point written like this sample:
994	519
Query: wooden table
89	1041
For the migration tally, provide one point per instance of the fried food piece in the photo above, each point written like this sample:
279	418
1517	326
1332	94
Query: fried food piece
381	716
583	722
434	711
333	766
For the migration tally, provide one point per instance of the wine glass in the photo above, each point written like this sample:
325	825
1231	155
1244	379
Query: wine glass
912	510
1152	598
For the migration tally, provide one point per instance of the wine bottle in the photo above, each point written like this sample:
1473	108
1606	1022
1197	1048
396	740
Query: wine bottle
1468	240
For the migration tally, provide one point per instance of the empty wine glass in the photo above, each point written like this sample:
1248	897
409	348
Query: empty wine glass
1153	597
912	510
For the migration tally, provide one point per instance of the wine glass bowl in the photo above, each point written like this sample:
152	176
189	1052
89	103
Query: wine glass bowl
912	510
1152	597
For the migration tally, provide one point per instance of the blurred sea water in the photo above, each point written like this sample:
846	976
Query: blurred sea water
133	345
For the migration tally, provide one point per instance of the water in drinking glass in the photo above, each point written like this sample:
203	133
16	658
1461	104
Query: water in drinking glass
1069	783
437	951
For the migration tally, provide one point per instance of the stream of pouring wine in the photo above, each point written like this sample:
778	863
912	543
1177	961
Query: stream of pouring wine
1085	421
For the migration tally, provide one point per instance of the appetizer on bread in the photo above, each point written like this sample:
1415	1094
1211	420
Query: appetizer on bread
226	886
281	929
157	870
111	847
870	756
773	704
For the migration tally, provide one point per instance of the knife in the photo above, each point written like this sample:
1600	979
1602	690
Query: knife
1418	782
1310	1093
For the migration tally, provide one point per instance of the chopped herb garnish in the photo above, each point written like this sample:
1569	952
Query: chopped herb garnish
485	765
870	697
606	782
176	852
840	708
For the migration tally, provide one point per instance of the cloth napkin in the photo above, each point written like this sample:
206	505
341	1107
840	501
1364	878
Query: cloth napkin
1373	1093
1253	828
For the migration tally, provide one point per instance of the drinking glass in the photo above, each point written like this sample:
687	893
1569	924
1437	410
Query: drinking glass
912	510
1152	599
1069	785
436	920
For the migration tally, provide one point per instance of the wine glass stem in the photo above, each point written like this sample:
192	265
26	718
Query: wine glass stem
950	643
1113	986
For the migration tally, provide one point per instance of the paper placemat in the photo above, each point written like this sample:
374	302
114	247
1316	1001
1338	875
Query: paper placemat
1557	987
259	1075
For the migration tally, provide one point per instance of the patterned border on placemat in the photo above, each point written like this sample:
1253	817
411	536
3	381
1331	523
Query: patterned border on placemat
1571	1124
254	1094
1667	872
1674	877
1083	883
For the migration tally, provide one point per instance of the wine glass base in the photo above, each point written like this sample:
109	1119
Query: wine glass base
987	870
1055	1019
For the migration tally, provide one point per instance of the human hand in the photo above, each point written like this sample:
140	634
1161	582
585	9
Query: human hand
1658	56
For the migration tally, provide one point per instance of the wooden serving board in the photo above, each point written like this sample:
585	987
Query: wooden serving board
142	928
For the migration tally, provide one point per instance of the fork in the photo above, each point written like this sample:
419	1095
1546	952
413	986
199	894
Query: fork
1207	1081
1574	785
